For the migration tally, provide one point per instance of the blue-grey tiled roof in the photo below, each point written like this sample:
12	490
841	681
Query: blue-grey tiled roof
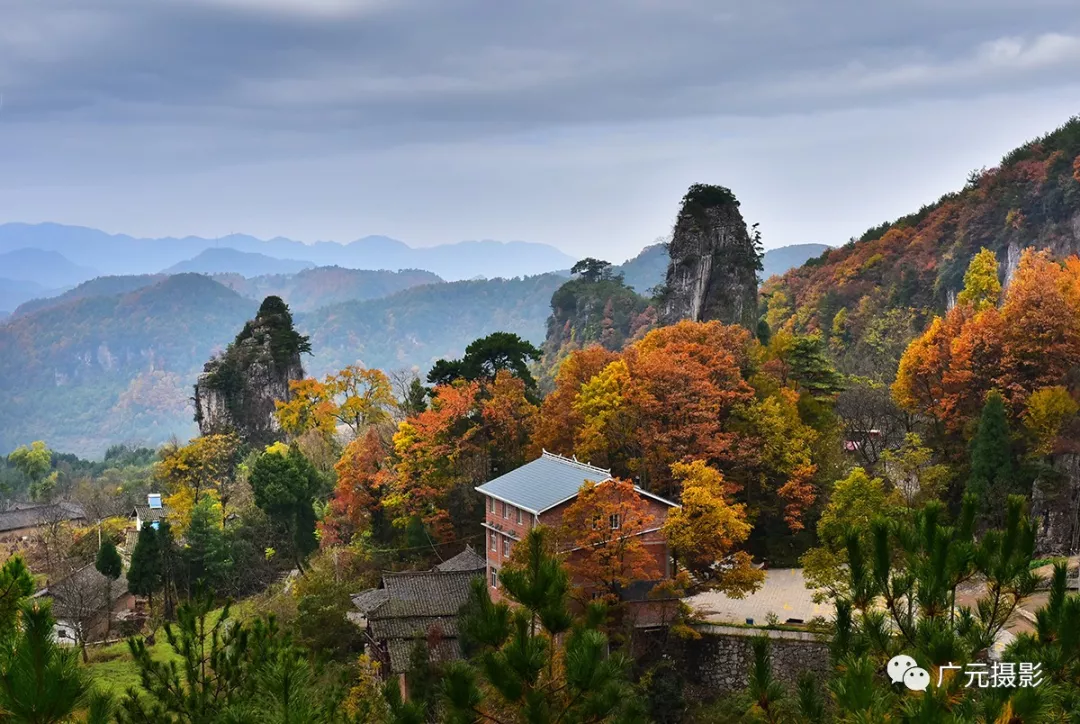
543	483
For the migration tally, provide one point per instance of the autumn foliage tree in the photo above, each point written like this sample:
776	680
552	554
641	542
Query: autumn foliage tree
205	466
1031	342
602	533
706	531
355	397
559	420
664	399
363	473
472	431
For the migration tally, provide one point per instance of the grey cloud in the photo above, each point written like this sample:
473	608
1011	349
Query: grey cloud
321	64
222	111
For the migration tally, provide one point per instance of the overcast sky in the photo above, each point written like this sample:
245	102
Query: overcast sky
578	123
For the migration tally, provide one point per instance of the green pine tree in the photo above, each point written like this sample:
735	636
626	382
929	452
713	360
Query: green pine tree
518	669
108	564
901	599
206	553
285	487
228	671
144	574
993	473
41	682
16	583
811	368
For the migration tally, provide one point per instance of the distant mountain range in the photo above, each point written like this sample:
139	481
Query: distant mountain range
49	269
113	359
121	254
648	269
230	261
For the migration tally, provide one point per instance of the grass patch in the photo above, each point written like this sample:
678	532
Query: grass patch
115	671
1040	562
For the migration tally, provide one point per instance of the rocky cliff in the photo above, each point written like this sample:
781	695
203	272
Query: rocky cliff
714	262
237	389
1055	505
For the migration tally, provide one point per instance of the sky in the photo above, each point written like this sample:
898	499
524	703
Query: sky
577	124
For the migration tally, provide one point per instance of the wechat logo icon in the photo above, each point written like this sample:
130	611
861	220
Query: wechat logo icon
905	669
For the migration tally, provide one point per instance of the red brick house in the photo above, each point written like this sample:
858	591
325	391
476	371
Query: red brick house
538	493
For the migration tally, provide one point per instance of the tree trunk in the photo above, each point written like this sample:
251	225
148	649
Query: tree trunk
108	610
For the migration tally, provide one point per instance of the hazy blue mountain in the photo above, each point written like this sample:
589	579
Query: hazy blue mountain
648	269
49	269
224	260
116	368
14	292
97	370
327	285
122	254
99	287
645	270
778	261
415	327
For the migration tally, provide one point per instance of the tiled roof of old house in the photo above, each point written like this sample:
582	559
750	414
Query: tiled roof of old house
467	560
31	515
418	605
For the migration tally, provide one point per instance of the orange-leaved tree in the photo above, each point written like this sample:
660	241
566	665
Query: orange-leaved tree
705	532
602	535
558	420
1031	342
363	472
437	451
472	431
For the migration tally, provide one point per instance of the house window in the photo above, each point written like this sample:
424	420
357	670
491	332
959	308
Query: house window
518	515
614	520
494	542
506	546
494	578
492	502
506	510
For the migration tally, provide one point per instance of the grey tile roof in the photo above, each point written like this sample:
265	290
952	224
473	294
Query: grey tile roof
413	605
149	515
30	515
425	593
368	600
467	560
400	651
543	483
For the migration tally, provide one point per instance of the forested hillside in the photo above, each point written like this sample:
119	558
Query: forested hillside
102	368
110	368
326	285
895	276
420	325
99	287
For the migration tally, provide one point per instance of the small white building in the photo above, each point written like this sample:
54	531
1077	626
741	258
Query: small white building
152	513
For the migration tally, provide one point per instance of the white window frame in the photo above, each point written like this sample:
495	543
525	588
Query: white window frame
615	521
494	541
493	579
506	510
492	504
518	515
506	546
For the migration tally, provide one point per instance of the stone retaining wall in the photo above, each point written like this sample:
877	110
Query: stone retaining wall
719	661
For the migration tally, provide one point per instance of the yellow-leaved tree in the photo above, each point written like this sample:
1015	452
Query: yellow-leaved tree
982	288
355	397
205	466
706	531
